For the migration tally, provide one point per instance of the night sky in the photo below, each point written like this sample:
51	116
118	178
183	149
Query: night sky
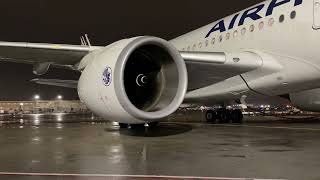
63	21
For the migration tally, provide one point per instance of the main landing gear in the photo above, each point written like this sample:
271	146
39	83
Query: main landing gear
135	126
224	116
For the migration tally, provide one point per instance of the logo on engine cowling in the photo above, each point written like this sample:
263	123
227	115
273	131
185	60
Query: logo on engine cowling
107	76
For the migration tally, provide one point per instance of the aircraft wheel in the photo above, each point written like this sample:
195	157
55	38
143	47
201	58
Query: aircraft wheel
123	125
236	116
153	124
136	126
223	116
211	116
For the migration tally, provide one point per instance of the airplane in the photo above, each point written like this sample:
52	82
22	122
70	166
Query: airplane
269	50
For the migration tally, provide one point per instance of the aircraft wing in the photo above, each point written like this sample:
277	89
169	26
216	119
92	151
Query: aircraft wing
33	53
57	82
204	68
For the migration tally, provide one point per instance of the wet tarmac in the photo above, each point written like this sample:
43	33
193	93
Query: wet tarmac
88	148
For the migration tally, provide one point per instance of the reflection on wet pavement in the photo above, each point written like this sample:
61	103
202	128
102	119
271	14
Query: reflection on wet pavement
65	143
36	119
112	177
161	130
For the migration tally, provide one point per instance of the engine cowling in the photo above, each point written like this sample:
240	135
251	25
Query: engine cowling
307	100
137	80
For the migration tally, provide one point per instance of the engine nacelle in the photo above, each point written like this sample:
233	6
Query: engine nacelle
307	100
137	80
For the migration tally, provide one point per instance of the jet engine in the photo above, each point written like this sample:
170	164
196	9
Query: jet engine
307	100
137	80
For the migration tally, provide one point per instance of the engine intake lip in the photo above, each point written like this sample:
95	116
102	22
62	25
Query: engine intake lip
120	86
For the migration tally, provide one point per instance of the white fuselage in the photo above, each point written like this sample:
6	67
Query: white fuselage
284	33
269	49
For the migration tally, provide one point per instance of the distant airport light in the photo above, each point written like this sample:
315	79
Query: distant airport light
21	104
59	97
36	97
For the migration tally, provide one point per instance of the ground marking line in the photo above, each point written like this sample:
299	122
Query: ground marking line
266	127
129	176
275	127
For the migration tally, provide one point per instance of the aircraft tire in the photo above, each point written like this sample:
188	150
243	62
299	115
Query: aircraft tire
123	125
223	116
211	116
236	116
136	126
153	124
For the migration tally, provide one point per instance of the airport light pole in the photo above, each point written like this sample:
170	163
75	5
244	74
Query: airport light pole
21	106
59	108
36	98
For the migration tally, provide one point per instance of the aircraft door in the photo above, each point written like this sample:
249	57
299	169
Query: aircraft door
316	14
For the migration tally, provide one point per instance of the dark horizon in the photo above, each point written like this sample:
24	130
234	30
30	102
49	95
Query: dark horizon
105	22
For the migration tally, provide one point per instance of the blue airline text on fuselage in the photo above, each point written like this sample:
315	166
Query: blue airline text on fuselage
252	13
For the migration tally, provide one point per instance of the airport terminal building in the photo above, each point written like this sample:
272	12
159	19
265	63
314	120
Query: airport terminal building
42	106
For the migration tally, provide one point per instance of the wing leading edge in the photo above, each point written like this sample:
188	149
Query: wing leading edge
33	53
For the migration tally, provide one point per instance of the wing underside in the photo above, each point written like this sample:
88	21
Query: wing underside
207	68
57	82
